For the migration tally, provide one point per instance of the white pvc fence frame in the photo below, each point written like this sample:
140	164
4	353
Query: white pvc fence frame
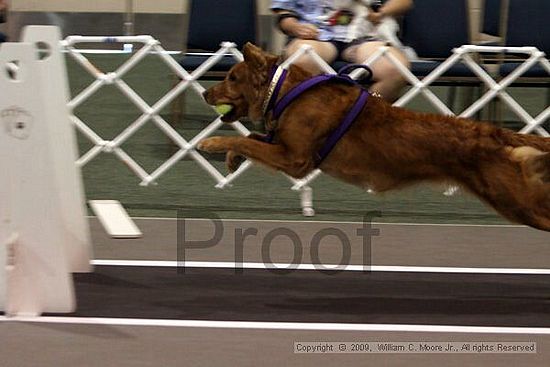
190	80
151	45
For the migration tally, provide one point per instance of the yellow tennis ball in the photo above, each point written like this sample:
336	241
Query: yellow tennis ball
344	20
223	109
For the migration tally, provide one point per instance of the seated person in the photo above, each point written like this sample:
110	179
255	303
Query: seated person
351	30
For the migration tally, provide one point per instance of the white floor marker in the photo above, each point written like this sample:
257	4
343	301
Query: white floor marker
115	219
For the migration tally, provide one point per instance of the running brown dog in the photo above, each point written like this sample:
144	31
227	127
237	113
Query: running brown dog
386	147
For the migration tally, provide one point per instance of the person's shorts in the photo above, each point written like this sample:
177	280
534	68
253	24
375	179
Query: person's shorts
343	46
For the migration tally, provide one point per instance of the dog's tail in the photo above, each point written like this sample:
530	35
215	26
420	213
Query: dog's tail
531	205
515	140
535	164
532	152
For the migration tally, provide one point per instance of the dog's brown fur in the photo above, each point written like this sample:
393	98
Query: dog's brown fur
386	147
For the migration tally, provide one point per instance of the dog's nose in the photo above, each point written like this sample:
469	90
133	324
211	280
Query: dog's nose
205	95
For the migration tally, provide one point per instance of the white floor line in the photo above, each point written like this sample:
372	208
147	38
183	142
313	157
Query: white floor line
344	222
306	326
340	222
376	268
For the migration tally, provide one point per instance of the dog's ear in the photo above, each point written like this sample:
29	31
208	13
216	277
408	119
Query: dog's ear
255	57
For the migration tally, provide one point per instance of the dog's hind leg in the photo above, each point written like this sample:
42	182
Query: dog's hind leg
535	167
516	184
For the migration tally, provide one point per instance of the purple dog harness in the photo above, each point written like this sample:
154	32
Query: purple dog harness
271	104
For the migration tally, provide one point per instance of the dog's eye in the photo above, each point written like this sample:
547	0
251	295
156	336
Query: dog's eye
232	77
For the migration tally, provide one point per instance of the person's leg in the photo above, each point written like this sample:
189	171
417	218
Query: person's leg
3	37
326	50
388	81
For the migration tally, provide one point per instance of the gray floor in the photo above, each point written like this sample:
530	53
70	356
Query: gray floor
26	345
396	244
70	343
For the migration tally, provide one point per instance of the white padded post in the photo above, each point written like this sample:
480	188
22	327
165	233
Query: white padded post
69	187
70	190
32	232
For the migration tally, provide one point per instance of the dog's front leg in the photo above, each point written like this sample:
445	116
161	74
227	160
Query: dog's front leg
233	160
279	157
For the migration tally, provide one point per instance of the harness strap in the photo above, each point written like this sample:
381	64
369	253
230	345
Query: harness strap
287	99
268	138
343	128
342	76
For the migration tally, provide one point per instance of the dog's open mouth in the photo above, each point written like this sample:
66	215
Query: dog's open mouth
227	111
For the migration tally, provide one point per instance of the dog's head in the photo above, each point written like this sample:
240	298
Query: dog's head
245	86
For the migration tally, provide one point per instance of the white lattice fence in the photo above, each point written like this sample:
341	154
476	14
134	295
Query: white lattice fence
189	80
152	113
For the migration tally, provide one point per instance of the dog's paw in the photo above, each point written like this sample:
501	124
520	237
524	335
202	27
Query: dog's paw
213	145
233	161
